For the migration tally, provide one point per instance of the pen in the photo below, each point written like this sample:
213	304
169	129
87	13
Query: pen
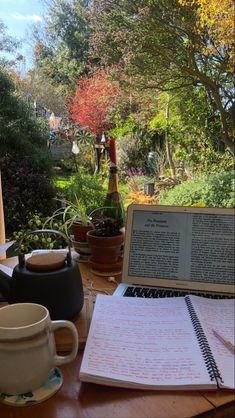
227	344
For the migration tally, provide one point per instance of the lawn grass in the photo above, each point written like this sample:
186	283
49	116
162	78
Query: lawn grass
63	181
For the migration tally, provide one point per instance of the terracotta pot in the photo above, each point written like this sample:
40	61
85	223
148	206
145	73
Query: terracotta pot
105	250
80	231
106	267
82	247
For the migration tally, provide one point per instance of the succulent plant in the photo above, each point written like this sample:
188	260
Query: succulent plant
107	227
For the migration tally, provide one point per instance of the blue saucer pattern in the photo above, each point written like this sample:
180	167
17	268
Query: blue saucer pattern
48	389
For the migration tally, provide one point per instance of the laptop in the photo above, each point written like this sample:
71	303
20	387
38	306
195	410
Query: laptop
174	251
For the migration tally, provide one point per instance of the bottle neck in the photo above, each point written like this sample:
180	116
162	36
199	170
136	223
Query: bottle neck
113	180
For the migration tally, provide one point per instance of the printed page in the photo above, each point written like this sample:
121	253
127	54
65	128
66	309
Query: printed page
144	342
211	257
218	315
182	246
158	244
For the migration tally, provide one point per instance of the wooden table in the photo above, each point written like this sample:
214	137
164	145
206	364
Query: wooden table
78	400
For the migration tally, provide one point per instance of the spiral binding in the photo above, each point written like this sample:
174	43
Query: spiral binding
210	362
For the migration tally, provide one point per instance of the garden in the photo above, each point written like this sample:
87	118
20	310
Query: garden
155	78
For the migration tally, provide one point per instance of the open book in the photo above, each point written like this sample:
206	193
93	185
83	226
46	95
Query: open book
164	344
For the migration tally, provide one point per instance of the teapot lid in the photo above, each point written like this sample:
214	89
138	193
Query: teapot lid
45	262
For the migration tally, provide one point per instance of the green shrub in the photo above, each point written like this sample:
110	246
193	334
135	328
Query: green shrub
213	190
25	163
90	190
20	132
36	241
27	189
132	154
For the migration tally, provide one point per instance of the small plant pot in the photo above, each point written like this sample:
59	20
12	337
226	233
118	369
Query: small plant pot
105	250
80	232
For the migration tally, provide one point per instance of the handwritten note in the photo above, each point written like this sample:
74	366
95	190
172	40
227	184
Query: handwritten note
144	342
218	314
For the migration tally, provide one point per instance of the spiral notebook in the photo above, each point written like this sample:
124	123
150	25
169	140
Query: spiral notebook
163	344
171	251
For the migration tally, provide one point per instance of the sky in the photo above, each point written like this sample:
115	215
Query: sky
18	16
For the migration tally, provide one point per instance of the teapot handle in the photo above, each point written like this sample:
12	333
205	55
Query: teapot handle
21	255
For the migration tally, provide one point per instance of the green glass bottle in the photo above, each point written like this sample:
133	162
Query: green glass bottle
113	203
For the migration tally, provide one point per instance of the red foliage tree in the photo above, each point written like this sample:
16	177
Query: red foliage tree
94	100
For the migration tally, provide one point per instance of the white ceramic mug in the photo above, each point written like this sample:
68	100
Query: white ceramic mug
27	347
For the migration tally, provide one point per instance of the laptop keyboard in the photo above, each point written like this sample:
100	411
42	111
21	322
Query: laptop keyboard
152	292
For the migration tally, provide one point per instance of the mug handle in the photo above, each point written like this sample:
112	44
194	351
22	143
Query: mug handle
70	357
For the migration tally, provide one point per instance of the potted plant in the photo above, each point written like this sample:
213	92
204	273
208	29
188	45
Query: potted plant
74	217
106	242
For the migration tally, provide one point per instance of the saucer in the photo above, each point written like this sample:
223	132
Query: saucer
45	391
107	269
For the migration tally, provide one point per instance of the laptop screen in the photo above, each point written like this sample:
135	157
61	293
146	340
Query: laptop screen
180	247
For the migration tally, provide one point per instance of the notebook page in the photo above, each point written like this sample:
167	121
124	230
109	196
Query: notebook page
143	341
219	315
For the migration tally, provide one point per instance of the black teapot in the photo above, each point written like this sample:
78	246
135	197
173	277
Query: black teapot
50	279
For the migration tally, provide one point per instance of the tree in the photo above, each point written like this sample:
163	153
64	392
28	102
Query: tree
19	130
24	159
42	90
7	44
94	101
20	133
163	46
217	17
61	48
